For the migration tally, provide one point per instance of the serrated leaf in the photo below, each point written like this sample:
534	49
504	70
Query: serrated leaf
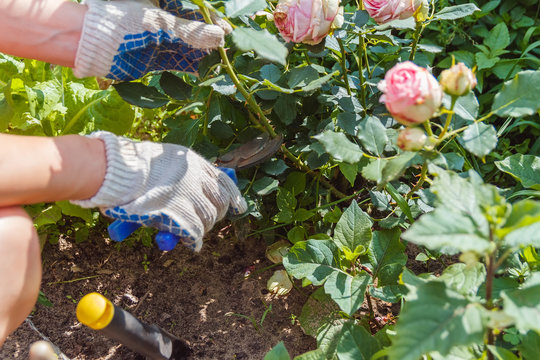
235	8
50	215
435	318
372	134
346	290
75	210
339	147
524	168
141	95
174	86
479	139
448	231
316	84
353	231
315	260
498	37
519	96
385	249
465	279
265	186
523	305
395	167
530	345
262	42
456	12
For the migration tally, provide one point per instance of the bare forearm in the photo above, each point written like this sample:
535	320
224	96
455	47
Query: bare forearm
39	169
47	30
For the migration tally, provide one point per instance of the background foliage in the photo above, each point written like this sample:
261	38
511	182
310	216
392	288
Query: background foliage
346	199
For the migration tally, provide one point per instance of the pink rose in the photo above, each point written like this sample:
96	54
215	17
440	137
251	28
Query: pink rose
411	94
307	21
383	11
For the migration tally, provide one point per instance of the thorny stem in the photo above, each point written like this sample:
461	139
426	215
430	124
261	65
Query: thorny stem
421	181
343	61
416	39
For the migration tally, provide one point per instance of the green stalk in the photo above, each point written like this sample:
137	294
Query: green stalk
416	39
343	61
423	175
448	118
361	51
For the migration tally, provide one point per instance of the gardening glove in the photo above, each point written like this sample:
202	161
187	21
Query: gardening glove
165	186
123	40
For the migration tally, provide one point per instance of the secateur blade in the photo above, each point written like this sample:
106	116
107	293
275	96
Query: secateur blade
251	153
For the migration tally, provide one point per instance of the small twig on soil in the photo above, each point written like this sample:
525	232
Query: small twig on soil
73	280
141	301
56	349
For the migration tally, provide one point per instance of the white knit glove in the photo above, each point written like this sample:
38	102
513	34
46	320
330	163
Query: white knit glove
123	40
165	186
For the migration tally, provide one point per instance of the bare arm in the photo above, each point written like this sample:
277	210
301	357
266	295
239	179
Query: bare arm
40	169
46	30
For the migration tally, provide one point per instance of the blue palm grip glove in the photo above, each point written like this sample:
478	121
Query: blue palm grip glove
165	186
119	230
123	40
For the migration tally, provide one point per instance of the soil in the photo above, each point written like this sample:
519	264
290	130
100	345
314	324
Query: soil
202	298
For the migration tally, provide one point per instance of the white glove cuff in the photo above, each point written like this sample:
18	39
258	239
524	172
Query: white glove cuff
120	185
100	39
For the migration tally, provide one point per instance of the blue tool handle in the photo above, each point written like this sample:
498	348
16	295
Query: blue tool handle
119	230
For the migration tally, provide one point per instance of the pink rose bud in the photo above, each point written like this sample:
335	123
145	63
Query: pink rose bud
383	11
307	21
411	94
458	80
411	139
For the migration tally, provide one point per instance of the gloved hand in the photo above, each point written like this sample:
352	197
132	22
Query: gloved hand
165	186
123	40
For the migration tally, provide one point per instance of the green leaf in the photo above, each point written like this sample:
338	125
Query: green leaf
339	147
302	76
312	355
389	293
141	95
349	171
486	62
184	132
345	340
395	167
519	96
448	231
346	290
285	108
315	260
174	86
480	139
265	186
356	343
278	352
50	215
285	200
75	210
456	12
523	305
501	353
530	345
435	318
318	311
89	110
262	42
353	231
522	227
498	38
465	279
316	84
385	249
235	8
524	168
296	182
372	134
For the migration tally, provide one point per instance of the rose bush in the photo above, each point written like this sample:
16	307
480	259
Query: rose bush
383	11
411	94
307	21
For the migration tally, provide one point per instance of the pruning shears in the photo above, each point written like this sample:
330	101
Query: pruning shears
247	155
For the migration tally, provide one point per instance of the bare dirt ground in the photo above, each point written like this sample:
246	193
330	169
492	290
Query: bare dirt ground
202	298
